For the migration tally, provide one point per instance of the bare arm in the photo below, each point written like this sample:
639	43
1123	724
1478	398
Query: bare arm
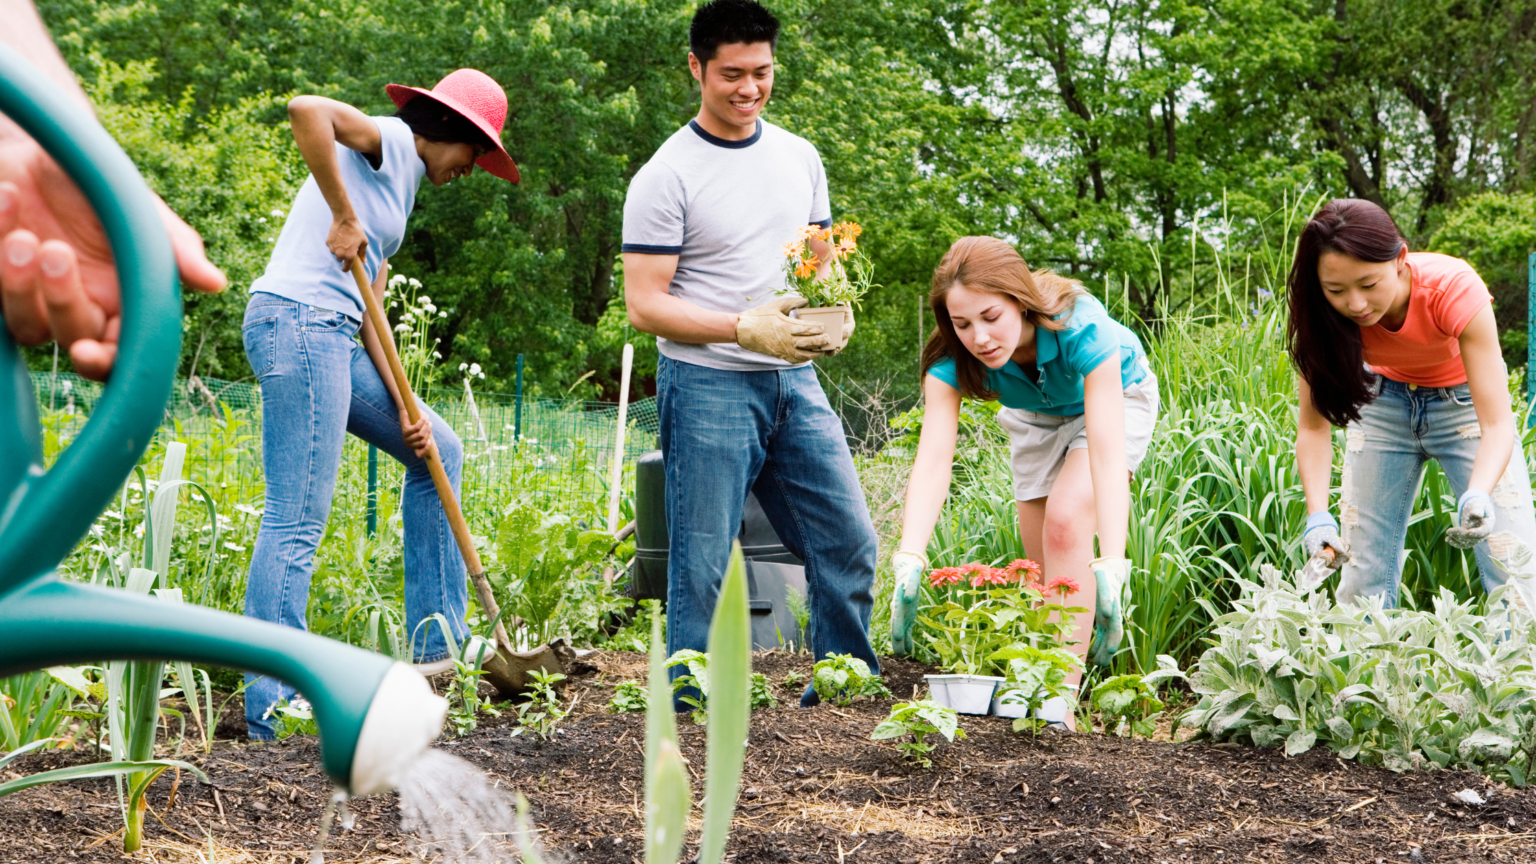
1104	405
928	484
1488	380
25	34
1314	450
319	124
653	310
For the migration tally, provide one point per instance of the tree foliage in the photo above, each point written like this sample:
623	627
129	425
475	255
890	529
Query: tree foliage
1116	141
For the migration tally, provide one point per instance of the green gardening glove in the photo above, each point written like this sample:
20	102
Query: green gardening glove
909	567
1110	575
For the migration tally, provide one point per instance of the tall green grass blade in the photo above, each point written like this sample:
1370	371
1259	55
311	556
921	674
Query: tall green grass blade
667	792
100	769
730	709
666	805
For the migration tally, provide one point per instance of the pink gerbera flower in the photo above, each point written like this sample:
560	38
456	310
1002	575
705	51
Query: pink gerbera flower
1062	584
1020	566
988	576
944	576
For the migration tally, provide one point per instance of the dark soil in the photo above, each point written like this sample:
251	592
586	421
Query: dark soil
816	789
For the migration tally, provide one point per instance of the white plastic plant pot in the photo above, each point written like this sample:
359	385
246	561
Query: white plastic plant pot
1002	706
1058	709
967	694
938	688
830	317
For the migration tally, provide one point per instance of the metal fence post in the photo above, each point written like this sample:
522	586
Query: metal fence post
517	403
1530	339
373	489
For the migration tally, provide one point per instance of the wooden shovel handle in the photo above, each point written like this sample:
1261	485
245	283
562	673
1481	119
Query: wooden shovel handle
434	462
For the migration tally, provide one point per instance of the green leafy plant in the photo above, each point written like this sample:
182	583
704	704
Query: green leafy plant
1032	676
542	711
982	610
1450	687
792	680
540	559
293	718
464	701
1128	705
697	678
842	678
801	612
666	776
762	692
628	698
919	720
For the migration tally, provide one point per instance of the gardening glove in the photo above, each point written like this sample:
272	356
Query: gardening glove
766	329
909	567
1322	531
1110	575
1474	519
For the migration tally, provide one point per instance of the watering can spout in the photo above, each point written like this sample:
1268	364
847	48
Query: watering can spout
376	715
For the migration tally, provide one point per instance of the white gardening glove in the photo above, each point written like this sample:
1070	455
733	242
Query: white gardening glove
1110	576
1322	530
766	329
909	567
1474	520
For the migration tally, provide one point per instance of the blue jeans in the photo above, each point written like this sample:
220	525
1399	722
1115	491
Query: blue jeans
772	432
317	384
1384	456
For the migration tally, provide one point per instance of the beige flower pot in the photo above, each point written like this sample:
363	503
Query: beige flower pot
832	318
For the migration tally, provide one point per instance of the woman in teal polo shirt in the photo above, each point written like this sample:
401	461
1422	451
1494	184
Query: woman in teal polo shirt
1079	404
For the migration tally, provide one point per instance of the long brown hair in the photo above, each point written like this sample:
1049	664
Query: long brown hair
991	265
1327	348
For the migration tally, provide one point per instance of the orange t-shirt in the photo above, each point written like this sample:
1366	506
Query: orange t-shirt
1447	293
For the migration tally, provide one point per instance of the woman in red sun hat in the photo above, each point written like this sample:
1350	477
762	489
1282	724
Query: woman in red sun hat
318	383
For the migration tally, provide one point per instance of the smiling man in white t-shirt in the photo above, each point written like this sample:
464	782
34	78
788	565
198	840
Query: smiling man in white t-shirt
741	408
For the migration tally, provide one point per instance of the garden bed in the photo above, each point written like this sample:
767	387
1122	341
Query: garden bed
816	789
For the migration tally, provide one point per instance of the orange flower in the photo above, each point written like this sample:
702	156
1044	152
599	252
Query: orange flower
847	230
1063	584
794	249
1023	565
845	245
988	576
810	232
944	576
807	267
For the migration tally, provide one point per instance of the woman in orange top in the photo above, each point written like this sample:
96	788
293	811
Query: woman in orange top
1401	349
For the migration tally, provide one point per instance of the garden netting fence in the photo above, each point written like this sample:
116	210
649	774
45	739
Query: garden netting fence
558	451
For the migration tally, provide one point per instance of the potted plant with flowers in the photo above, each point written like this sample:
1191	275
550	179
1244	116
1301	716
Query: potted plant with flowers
987	617
975	618
831	299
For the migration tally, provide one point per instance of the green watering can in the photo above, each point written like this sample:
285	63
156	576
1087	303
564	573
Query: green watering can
376	716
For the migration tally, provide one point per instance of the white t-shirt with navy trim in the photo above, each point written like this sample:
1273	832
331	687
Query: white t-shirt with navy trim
302	268
726	209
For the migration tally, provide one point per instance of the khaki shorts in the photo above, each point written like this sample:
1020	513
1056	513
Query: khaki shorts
1040	442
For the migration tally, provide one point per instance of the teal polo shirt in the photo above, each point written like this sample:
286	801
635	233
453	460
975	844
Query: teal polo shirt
1062	359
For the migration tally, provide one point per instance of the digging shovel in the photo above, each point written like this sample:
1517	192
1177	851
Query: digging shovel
505	671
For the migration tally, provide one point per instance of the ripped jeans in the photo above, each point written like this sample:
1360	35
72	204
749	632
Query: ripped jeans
1384	456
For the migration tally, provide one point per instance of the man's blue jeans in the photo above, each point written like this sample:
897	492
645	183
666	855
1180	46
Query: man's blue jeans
317	384
772	432
1384	456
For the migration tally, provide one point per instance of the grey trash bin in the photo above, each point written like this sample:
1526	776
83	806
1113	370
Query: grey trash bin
772	570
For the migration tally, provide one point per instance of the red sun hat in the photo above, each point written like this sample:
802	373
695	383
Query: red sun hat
477	98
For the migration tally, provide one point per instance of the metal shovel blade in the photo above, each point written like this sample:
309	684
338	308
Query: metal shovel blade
1318	568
